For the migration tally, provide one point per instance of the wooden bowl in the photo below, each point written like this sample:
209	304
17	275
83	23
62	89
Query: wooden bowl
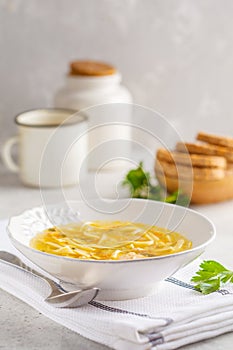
201	191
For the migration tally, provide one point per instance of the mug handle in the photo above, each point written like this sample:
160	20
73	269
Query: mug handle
6	154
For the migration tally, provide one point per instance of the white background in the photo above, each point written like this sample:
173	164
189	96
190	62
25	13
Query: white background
175	56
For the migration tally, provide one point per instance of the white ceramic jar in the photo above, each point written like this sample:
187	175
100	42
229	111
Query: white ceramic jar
82	91
109	130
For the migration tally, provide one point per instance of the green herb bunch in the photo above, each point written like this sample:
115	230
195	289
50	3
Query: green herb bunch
211	277
141	185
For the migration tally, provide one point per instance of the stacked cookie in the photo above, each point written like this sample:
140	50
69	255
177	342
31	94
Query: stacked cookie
203	170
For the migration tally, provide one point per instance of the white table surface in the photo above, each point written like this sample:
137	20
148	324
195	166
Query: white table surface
22	327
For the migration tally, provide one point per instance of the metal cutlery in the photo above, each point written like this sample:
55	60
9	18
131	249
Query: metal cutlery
58	296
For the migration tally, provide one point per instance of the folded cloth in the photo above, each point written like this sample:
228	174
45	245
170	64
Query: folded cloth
174	316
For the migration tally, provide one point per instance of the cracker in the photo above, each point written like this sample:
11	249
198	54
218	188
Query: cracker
185	172
191	159
215	139
205	149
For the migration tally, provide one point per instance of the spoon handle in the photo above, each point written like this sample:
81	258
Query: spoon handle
13	260
58	296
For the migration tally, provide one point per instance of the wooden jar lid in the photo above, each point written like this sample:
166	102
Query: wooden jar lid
91	68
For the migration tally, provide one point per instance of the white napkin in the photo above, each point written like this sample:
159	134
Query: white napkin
175	315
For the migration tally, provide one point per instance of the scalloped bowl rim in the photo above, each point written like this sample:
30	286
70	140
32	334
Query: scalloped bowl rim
133	261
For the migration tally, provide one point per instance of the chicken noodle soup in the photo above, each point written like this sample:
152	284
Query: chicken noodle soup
109	240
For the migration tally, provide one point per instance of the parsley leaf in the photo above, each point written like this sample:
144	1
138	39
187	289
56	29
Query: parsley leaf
211	277
141	185
138	181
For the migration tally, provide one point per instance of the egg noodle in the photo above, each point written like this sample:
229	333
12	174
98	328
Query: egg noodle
109	240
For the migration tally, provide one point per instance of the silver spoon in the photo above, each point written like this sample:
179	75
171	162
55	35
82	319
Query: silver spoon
58	297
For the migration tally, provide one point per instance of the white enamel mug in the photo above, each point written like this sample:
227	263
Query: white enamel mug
52	145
